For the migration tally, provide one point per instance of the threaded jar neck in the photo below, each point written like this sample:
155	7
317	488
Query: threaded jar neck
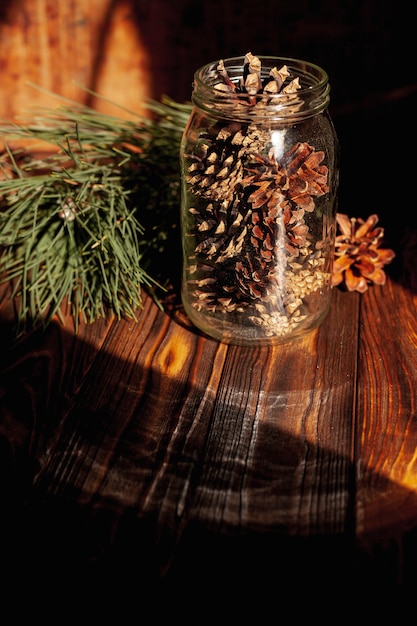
212	95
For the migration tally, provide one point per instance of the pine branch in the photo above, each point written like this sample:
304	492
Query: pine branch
85	222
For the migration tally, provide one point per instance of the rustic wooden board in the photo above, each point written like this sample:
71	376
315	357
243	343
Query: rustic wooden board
69	47
386	437
190	438
147	445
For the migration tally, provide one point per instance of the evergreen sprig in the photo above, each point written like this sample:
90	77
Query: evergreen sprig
89	210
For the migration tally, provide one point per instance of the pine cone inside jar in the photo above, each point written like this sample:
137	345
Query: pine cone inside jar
217	166
299	172
252	244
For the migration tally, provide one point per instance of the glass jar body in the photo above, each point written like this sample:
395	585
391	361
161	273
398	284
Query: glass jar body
259	188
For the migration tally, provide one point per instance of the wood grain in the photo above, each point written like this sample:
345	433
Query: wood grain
66	48
386	438
148	444
136	456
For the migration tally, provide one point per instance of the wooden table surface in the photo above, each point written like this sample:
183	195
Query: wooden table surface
144	456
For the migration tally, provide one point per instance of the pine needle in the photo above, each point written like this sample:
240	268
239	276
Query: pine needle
93	220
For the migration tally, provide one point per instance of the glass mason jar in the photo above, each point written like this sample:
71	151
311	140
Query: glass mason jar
259	179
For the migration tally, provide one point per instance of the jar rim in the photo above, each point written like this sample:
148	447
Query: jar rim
296	67
310	97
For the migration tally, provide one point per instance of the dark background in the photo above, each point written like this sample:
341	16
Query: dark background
367	48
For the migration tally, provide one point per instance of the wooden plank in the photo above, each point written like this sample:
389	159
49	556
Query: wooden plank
186	435
271	460
386	517
68	47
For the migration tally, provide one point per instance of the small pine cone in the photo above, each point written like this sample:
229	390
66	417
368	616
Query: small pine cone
217	168
307	178
296	229
272	242
253	276
220	230
298	176
359	258
214	174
